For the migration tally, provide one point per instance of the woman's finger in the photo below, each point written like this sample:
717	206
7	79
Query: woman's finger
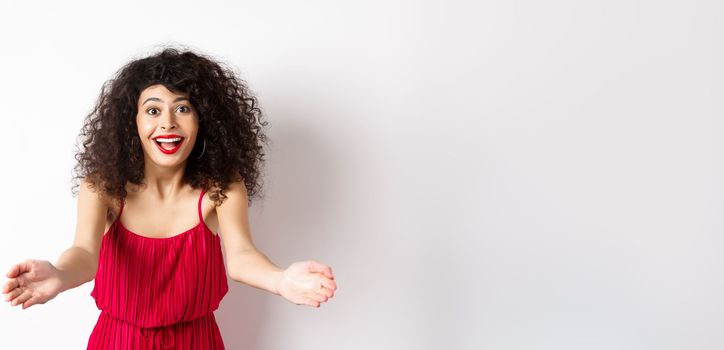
30	302
327	292
329	284
315	266
22	280
310	302
13	294
325	287
23	297
14	271
10	285
318	297
18	269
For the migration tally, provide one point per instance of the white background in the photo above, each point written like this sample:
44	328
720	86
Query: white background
479	175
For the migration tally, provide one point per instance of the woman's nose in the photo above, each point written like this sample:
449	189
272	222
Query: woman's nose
167	121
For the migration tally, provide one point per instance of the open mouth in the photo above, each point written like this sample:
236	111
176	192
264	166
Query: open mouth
169	145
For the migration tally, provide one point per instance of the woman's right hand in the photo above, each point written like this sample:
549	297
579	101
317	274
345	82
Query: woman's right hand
32	282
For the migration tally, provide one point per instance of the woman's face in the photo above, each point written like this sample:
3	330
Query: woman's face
167	125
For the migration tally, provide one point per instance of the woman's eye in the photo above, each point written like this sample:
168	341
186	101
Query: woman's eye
154	110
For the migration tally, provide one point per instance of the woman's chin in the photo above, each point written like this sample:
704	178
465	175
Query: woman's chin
169	160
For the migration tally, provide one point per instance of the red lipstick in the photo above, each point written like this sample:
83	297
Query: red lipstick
169	136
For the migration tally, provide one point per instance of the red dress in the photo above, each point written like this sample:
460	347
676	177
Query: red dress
158	293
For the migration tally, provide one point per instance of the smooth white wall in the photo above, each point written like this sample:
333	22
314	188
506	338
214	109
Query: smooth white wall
479	175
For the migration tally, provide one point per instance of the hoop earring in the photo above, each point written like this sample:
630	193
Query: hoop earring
203	150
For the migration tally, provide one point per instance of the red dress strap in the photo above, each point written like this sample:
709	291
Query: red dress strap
123	201
201	217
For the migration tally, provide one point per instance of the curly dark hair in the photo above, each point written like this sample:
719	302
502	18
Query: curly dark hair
230	121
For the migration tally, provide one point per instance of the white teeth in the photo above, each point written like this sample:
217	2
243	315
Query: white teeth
160	139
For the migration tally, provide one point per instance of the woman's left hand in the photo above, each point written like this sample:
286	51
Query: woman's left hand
307	282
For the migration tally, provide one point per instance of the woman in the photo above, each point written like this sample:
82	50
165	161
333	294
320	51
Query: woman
174	140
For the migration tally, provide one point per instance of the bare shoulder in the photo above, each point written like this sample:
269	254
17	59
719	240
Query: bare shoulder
93	193
236	193
233	217
93	207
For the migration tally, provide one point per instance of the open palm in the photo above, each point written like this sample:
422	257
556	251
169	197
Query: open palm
31	282
307	282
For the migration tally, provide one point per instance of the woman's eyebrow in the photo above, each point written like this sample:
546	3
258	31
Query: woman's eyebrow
159	100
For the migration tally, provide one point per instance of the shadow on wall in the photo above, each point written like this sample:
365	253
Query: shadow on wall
286	228
239	316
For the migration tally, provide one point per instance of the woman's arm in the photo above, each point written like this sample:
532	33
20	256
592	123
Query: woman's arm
78	264
307	282
245	264
255	269
38	281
